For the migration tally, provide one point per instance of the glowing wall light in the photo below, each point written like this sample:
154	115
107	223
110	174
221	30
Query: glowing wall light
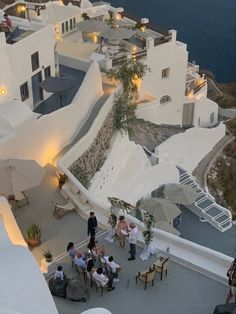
3	91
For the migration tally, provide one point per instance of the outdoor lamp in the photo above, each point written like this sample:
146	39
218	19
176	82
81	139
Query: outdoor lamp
3	91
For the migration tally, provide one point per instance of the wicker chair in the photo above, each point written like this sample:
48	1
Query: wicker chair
81	271
99	286
146	276
160	266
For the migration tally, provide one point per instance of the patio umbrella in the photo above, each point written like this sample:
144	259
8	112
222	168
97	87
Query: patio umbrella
162	210
17	175
164	225
92	26
118	33
180	194
58	84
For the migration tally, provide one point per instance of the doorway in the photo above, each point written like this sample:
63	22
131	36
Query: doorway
36	89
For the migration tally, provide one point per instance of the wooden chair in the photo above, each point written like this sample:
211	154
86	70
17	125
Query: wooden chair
99	286
102	263
146	276
160	266
89	276
62	210
81	271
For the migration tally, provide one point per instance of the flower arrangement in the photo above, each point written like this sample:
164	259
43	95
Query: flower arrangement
116	202
149	222
112	220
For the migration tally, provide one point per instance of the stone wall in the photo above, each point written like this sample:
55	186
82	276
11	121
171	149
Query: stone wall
85	167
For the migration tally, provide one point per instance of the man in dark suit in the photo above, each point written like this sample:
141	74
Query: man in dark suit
92	225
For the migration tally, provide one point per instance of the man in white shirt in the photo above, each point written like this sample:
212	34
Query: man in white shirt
103	280
133	238
115	268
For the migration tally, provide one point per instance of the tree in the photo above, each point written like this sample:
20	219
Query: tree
128	73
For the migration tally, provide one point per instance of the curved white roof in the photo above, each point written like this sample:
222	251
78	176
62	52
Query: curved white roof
15	113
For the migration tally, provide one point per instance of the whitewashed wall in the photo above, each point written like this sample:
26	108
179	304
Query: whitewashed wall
171	55
187	149
203	108
44	138
15	62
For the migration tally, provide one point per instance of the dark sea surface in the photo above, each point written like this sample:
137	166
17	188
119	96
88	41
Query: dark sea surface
207	26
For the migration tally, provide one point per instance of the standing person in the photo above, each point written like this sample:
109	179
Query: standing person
133	238
122	231
231	273
92	225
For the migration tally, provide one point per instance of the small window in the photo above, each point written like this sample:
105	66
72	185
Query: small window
67	26
63	28
71	24
35	61
74	22
24	91
165	99
47	71
165	73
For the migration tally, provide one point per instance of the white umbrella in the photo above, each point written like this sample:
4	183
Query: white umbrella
162	210
164	225
180	194
17	175
117	33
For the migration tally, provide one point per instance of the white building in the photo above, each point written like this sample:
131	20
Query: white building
26	59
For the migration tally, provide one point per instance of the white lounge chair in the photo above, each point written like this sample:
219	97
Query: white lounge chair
61	210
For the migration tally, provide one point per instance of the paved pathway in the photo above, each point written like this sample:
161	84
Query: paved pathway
200	170
82	130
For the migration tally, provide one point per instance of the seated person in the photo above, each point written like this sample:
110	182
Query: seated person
90	265
71	250
59	273
114	266
95	251
103	280
7	22
80	261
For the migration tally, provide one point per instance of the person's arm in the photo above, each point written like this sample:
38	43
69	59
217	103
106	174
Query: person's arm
96	222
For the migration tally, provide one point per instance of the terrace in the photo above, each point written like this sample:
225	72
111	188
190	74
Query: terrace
171	295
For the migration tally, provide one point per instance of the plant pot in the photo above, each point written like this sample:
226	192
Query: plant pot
34	242
48	259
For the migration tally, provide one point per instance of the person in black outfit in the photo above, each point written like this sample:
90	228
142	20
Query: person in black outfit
92	225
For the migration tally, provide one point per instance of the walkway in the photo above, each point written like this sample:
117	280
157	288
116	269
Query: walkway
200	170
82	130
205	206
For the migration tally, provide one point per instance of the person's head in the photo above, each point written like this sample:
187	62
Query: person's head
5	15
91	244
121	218
92	214
59	268
132	225
99	270
110	259
70	245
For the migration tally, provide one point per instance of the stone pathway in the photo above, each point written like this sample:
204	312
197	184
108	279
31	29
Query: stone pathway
200	170
151	135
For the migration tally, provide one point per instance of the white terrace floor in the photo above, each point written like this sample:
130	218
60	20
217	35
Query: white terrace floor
183	291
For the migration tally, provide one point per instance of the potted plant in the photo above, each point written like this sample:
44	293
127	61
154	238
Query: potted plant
33	233
62	179
48	255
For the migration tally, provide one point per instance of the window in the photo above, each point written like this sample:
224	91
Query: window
67	26
35	61
165	73
47	71
74	22
24	91
63	28
71	24
165	99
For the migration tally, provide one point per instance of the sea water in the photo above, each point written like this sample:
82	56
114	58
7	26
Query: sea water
207	26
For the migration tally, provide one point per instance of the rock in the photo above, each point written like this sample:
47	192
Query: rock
76	290
58	287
